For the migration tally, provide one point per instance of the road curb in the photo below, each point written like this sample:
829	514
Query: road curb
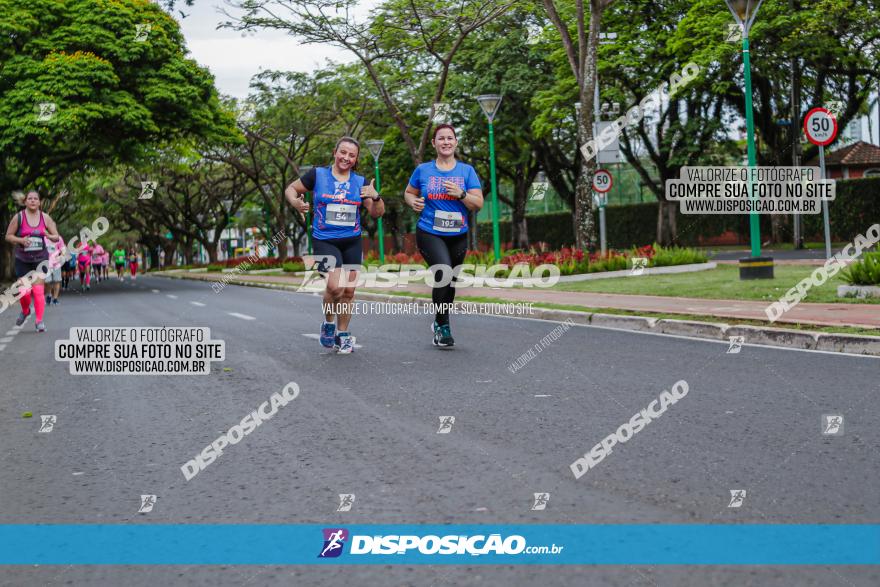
711	330
758	335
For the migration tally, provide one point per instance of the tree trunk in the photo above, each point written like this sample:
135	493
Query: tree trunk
672	221
584	223
211	249
170	249
667	229
154	257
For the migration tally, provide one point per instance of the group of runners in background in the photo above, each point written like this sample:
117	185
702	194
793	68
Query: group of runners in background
36	239
442	192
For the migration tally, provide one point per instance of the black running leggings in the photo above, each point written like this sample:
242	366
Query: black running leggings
442	250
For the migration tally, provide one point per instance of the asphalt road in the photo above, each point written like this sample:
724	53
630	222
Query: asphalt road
367	424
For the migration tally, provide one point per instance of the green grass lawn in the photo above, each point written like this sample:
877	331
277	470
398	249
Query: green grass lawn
770	248
721	283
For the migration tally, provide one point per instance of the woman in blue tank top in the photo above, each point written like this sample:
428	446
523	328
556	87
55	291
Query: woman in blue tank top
339	194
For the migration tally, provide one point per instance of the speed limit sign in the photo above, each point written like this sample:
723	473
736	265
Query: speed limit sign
602	180
820	126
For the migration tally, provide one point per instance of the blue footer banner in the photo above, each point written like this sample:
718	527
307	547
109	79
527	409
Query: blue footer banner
603	544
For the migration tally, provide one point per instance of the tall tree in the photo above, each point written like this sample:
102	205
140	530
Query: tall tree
427	32
89	83
581	51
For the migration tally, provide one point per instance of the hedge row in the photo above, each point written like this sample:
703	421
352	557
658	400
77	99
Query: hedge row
856	207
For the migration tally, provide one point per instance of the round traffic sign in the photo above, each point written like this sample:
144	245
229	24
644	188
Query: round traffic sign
820	126
602	180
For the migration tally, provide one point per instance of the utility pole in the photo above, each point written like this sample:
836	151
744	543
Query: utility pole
796	129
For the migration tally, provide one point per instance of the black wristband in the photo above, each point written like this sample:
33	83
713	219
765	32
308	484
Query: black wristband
463	196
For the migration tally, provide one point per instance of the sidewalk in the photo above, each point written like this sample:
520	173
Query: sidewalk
843	314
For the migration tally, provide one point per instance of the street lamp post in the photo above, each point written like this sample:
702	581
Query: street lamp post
755	267
375	148
490	103
227	209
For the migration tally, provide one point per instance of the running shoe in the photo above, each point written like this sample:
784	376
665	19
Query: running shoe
40	327
55	301
328	332
48	299
21	318
346	344
443	335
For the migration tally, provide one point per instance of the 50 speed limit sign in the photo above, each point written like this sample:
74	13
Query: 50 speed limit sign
820	126
602	180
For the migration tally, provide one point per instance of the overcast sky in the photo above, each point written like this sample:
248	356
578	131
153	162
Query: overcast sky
234	59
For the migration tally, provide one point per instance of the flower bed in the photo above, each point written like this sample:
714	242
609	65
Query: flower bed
576	261
570	261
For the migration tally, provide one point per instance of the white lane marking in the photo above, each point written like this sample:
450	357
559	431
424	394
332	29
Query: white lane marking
2	346
543	395
12	333
154	290
173	297
318	337
7	339
242	316
199	304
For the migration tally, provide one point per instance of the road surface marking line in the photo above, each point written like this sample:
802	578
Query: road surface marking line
173	297
12	333
543	395
2	346
199	304
7	339
242	316
155	290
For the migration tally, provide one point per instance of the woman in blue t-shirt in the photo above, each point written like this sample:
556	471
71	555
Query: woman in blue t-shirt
442	192
339	193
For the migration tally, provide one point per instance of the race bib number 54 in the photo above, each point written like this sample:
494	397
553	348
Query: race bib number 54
341	214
